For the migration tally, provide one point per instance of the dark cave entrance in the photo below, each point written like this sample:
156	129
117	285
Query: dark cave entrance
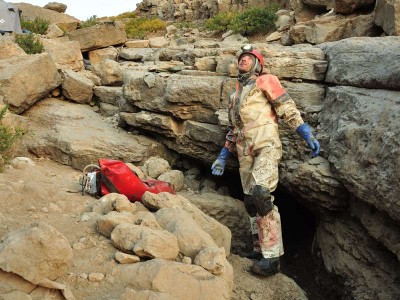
301	261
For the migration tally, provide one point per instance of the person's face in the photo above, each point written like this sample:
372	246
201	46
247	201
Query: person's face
245	63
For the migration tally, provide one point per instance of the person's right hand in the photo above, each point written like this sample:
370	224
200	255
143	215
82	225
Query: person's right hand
218	167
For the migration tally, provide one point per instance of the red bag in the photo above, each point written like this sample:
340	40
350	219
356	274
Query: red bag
115	176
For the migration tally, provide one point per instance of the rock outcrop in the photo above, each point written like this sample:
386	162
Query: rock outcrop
171	94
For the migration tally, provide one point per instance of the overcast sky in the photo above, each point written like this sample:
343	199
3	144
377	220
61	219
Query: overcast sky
83	9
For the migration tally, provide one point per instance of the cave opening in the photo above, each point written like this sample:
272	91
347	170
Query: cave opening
301	260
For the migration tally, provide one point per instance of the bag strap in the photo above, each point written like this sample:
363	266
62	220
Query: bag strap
110	186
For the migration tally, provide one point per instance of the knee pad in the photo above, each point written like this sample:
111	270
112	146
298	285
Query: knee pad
249	206
262	200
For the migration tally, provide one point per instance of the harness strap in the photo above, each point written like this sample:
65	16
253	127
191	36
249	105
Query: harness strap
110	186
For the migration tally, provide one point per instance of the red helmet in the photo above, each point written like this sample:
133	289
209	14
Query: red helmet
248	49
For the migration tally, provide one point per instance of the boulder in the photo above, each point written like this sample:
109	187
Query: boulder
138	44
64	21
227	211
387	15
108	94
97	56
56	6
107	223
131	294
191	237
99	36
9	49
333	28
145	242
37	253
109	71
77	87
66	54
19	88
347	62
161	276
349	252
357	124
155	166
220	233
174	177
300	61
68	133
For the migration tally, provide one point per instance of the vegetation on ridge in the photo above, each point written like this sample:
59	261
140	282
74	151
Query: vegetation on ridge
8	137
29	43
38	25
251	21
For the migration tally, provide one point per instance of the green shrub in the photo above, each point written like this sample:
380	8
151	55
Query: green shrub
29	43
91	21
248	22
38	25
188	25
8	137
221	21
125	15
139	28
255	20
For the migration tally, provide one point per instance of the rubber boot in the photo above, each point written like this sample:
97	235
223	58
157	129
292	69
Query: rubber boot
266	266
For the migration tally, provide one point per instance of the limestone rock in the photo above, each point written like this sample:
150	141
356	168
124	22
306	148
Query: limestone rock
36	253
137	44
387	15
347	64
71	132
158	42
97	56
191	237
155	166
107	203
124	258
77	87
211	259
229	212
313	180
219	233
100	36
332	28
300	61
162	276
64	21
109	71
108	94
131	294
54	32
56	6
9	49
107	223
174	177
348	251
357	124
137	54
66	55
145	242
18	70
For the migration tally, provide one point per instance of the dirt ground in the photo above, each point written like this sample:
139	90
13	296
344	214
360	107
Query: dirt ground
49	192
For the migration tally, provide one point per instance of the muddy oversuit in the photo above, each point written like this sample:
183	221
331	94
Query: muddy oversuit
254	108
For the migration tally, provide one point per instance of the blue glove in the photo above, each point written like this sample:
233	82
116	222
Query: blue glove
218	166
305	131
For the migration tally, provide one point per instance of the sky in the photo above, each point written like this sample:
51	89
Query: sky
83	9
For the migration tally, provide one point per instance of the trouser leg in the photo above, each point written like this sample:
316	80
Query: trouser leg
259	178
269	223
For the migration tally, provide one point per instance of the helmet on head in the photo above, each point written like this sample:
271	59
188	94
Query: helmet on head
248	49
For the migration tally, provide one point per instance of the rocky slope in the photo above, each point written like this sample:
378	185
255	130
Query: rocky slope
170	93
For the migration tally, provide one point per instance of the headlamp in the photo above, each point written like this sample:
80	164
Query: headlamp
247	48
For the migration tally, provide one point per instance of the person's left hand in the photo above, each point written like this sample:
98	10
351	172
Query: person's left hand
305	131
